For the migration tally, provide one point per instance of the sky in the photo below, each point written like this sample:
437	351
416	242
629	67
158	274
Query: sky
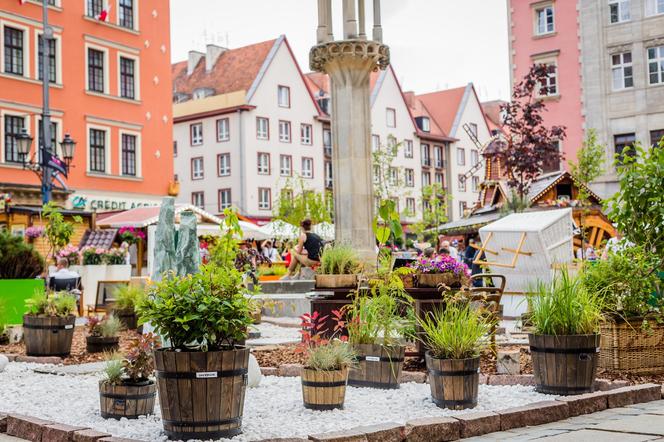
434	44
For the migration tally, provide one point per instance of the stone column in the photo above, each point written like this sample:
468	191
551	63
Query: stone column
361	16
349	65
350	20
324	21
377	29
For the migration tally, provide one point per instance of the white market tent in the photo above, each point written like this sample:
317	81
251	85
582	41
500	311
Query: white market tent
527	248
325	230
281	230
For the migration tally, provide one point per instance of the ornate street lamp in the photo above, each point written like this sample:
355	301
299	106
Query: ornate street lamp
23	143
68	145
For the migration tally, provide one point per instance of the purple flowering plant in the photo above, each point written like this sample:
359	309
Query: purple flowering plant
440	264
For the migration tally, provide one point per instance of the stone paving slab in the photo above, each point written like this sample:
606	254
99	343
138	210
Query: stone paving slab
597	436
643	424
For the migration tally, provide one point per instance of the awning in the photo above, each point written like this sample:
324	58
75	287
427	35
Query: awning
468	224
145	216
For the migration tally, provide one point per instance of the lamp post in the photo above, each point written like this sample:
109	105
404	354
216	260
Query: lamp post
48	165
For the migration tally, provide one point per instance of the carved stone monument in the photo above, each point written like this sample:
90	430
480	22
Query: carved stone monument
349	63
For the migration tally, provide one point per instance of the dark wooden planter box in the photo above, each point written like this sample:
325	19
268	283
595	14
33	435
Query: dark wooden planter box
324	390
335	281
378	366
99	344
201	394
564	365
128	318
454	382
48	335
126	400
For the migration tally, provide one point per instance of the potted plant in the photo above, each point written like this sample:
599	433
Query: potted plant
203	317
48	326
375	330
633	333
325	372
339	267
128	390
103	334
441	270
20	265
564	344
454	338
127	298
70	253
34	232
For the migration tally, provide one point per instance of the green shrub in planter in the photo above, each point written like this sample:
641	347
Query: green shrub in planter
566	317
127	297
48	325
204	316
103	334
18	260
339	267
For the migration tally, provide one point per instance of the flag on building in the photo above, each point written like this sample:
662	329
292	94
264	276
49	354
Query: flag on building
103	15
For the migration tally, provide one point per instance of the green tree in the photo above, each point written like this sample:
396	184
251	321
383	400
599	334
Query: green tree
58	232
589	164
388	179
296	203
638	208
434	210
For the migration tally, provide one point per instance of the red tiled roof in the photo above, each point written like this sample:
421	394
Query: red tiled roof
235	70
317	81
443	106
418	109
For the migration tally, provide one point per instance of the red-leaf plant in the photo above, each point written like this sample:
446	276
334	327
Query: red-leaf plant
313	330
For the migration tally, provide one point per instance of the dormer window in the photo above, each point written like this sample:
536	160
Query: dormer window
423	124
203	93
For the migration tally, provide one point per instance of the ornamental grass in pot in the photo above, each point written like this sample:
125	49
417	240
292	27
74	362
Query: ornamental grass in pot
128	389
124	308
565	341
454	337
203	316
440	271
325	372
375	330
103	334
339	267
48	325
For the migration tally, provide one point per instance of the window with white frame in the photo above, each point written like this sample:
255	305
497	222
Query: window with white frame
285	165
461	156
306	131
549	86
94	8
426	179
391	117
196	134
223	129
410	177
126	13
425	155
198	199
656	65
439	178
224	164
13	126
392	144
375	143
438	157
127	78
97	150
461	183
14	51
474	157
52	59
283	93
224	199
264	198
476	183
284	131
654	7
307	167
262	128
197	172
327	140
621	71
426	124
408	148
619	11
544	20
263	163
410	206
96	80
328	175
394	176
129	155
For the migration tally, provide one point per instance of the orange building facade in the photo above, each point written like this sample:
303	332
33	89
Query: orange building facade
110	90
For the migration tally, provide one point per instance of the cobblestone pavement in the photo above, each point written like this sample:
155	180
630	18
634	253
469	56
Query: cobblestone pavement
634	423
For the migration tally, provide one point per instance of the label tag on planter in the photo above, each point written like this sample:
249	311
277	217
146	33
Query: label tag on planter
372	358
206	374
69	326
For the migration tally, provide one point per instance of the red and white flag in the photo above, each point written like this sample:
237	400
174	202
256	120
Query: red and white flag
103	15
20	2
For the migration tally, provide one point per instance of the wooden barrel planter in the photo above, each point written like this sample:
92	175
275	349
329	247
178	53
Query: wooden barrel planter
99	344
378	366
324	390
48	335
128	318
201	394
564	365
454	382
126	400
626	348
335	281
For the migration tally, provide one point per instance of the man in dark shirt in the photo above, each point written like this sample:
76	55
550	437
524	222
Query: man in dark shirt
307	251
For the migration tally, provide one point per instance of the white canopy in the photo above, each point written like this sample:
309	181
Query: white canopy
281	229
325	230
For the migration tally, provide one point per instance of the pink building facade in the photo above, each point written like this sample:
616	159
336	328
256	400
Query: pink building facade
547	32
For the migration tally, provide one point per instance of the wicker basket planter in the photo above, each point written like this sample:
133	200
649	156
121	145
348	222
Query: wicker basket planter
335	281
626	348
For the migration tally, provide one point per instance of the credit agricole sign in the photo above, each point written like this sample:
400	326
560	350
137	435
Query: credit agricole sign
108	204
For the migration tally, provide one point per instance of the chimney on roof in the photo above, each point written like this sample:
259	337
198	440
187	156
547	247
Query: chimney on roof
212	54
192	62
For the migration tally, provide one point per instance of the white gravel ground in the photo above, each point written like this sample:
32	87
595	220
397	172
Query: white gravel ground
274	409
272	334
